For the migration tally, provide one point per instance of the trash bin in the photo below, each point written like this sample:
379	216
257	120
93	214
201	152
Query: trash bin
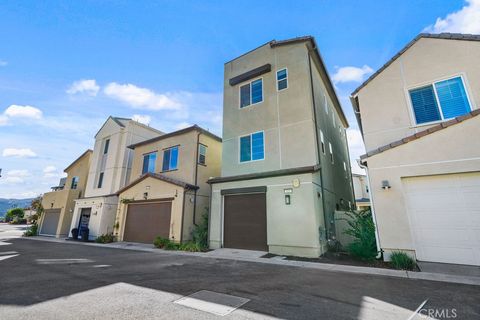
75	233
84	234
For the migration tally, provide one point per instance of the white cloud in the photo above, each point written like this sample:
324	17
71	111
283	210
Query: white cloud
16	111
351	74
51	172
89	87
141	98
49	169
3	120
13	180
20	153
15	176
182	125
18	173
3	63
145	119
465	20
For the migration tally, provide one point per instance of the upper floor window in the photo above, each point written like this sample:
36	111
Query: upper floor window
331	152
252	147
282	79
322	141
149	162
251	93
105	147
439	101
170	159
74	183
202	154
100	180
325	103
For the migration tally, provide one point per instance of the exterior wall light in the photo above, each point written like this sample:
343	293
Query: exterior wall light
386	185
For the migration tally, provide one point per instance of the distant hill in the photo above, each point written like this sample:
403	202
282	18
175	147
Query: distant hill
7	204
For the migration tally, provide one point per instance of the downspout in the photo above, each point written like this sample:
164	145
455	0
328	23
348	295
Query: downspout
183	213
196	180
374	217
316	142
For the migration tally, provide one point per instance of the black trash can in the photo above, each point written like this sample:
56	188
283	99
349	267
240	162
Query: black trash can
84	234
75	233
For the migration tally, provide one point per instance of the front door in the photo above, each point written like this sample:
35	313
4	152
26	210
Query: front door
84	219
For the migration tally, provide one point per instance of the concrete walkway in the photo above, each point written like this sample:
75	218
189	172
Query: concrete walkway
255	256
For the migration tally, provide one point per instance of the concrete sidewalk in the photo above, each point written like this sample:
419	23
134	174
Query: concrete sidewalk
256	256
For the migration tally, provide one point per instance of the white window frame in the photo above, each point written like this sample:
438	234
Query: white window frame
199	153
155	163
432	83
240	93
251	146
286	78
331	153
326	103
322	143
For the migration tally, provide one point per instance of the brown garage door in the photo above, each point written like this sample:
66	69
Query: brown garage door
50	222
146	221
245	221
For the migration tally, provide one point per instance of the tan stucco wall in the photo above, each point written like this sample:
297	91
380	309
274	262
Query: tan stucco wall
451	150
294	229
384	102
156	189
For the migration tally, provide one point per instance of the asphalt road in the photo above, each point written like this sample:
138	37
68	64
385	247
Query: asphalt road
106	283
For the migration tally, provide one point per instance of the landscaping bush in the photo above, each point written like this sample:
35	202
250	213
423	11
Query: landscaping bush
402	261
105	238
14	214
191	246
200	233
31	231
160	242
362	229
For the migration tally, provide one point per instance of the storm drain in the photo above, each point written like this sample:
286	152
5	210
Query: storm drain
216	303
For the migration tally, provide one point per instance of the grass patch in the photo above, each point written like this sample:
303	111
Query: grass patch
402	261
105	238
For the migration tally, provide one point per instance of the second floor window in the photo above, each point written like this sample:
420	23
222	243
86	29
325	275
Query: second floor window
100	180
170	159
282	79
251	93
74	183
331	152
105	148
252	147
439	101
322	142
202	154
149	162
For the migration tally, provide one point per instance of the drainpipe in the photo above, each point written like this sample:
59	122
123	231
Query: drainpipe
374	217
196	180
183	213
316	142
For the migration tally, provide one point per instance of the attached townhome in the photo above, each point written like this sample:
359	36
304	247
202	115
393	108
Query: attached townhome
169	193
59	204
285	162
420	120
109	171
360	187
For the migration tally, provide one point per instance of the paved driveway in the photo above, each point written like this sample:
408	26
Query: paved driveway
67	281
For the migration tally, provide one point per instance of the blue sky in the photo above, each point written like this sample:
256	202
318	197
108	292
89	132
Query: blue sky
66	66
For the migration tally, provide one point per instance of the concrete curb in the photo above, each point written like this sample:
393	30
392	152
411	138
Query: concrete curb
469	280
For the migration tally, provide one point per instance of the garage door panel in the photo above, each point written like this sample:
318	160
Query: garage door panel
445	217
245	221
50	222
146	221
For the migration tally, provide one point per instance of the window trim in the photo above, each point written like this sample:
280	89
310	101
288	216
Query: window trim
286	78
198	157
154	164
330	148
432	83
251	146
163	156
322	143
250	84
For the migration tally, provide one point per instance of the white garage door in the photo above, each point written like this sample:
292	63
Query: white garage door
444	213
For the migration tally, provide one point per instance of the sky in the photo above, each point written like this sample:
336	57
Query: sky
65	66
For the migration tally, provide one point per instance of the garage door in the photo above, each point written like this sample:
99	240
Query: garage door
245	221
146	221
50	222
444	214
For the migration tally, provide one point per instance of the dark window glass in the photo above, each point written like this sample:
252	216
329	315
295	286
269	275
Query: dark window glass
74	183
149	162
107	144
257	92
202	154
245	95
424	105
282	81
100	180
245	149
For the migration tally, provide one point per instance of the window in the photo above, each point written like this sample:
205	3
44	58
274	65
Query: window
100	180
442	100
170	159
252	147
325	103
74	183
105	148
322	142
251	93
333	119
282	79
202	154
149	162
331	151
344	166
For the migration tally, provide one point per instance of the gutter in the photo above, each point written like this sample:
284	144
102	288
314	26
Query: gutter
196	180
183	213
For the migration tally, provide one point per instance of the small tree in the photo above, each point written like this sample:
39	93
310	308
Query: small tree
200	233
14	214
362	229
37	206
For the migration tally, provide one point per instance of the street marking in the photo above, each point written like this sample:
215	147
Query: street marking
3	243
8	257
102	266
7	252
414	314
216	303
63	261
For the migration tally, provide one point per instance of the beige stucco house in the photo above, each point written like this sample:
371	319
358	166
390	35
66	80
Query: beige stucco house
420	121
109	171
59	204
285	162
360	187
169	192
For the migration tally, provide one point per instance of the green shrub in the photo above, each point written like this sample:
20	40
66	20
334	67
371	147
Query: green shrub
200	232
31	231
362	229
14	214
402	261
105	238
170	245
191	246
160	242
